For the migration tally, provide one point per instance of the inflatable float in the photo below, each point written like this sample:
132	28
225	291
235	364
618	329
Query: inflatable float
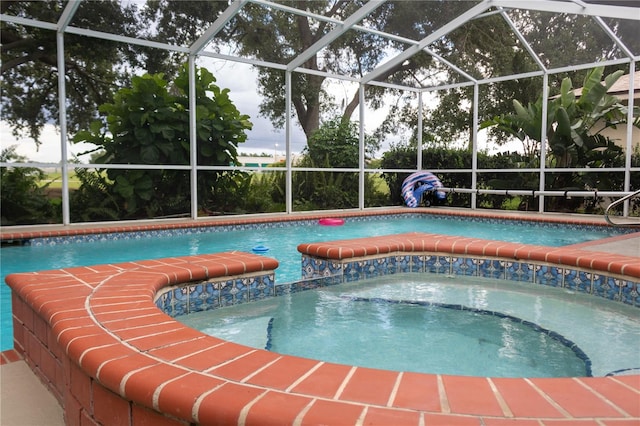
260	249
330	221
416	184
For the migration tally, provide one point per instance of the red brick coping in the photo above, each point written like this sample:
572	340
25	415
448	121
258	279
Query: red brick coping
9	233
110	356
435	243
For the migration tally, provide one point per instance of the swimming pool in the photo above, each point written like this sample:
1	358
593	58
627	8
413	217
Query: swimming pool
436	324
280	237
131	352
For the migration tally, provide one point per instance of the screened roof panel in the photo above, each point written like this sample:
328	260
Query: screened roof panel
628	31
561	40
423	71
482	48
357	52
393	41
113	17
415	20
31	10
270	33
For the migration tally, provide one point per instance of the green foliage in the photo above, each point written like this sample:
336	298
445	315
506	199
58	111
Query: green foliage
22	200
266	193
571	121
573	129
93	200
29	61
334	145
403	156
337	143
148	123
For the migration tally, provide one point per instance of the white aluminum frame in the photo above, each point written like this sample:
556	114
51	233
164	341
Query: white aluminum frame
482	9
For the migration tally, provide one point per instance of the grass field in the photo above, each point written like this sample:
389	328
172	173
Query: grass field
54	179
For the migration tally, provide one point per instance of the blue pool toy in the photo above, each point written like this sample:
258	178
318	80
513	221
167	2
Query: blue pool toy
416	184
260	249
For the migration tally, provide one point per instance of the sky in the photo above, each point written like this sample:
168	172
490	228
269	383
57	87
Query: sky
241	80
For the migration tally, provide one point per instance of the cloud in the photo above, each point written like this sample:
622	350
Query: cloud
48	152
241	80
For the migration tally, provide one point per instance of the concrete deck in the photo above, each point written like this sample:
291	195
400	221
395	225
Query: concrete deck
24	400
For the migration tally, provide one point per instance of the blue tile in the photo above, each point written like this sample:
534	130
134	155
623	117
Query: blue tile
261	287
402	264
418	263
227	293
197	297
353	271
212	293
630	293
607	287
438	264
577	280
180	301
464	266
241	293
491	268
549	275
519	271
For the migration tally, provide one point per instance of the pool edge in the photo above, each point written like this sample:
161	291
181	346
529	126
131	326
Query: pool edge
362	395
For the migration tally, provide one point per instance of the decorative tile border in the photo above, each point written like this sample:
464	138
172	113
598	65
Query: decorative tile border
186	298
610	287
613	277
188	228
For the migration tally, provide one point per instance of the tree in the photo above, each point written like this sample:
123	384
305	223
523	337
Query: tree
148	123
30	70
277	36
22	200
573	128
335	144
94	68
486	48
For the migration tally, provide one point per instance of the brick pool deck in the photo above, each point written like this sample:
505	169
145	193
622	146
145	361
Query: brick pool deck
95	337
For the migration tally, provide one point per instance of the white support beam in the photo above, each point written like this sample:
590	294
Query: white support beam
614	37
590	9
124	39
193	138
523	40
416	48
216	26
474	145
67	14
362	149
420	129
332	35
63	22
629	139
450	65
62	117
543	139
293	10
255	62
288	136
28	22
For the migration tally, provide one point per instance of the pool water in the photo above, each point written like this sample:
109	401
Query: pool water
411	322
282	241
